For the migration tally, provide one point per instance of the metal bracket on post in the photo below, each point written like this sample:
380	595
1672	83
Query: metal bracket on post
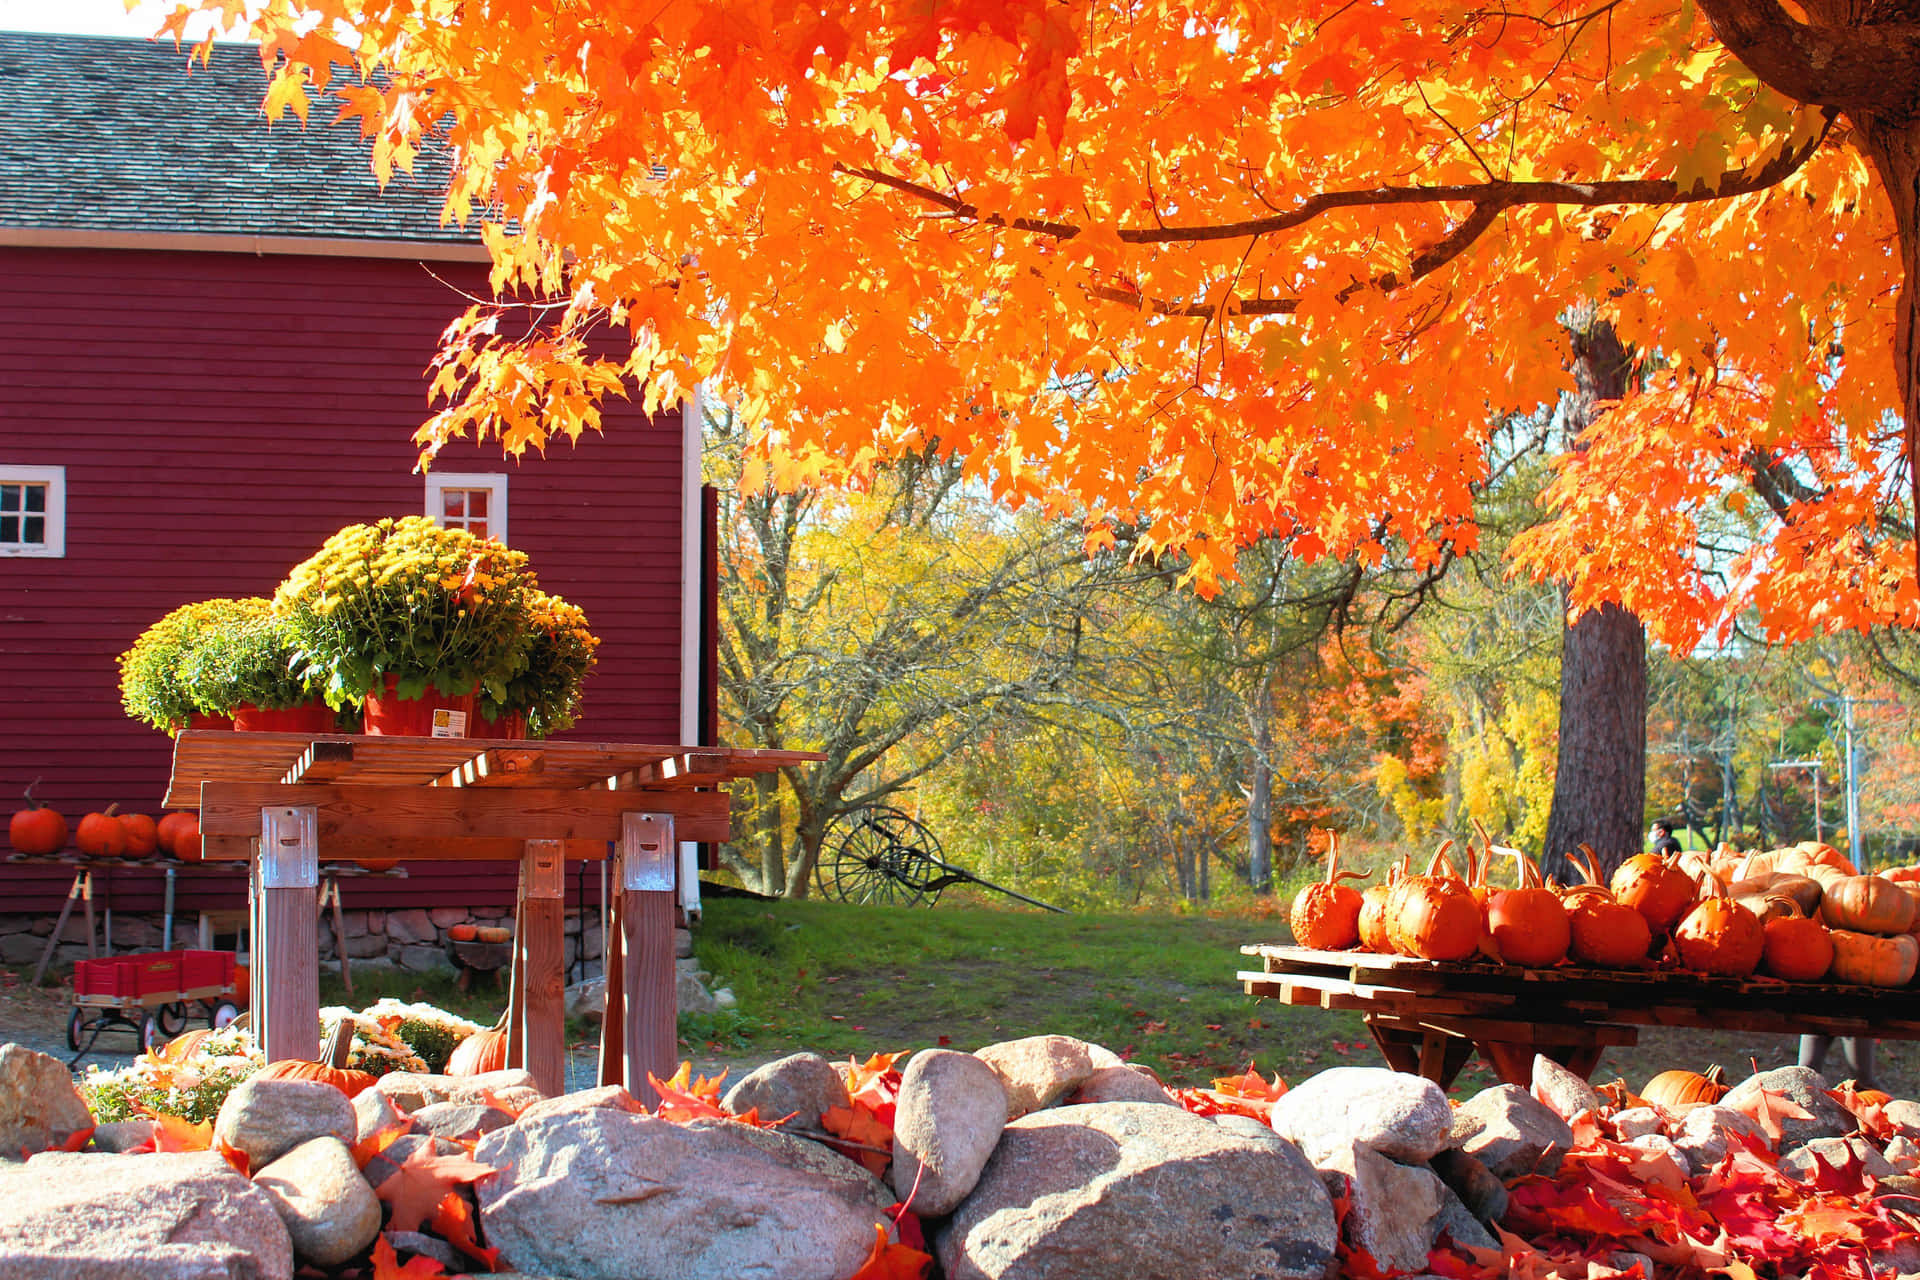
290	848
543	870
646	852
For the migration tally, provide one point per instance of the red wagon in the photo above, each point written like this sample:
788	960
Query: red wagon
151	994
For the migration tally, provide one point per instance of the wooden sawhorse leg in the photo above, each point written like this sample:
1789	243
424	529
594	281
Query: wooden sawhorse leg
640	1034
82	887
330	893
537	1007
1427	1051
285	955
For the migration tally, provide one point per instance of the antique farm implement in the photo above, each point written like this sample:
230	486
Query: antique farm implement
881	855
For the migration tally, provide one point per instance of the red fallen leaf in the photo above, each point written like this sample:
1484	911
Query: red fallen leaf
386	1264
1827	1220
680	1106
1206	1102
907	1224
1769	1107
1735	1270
1538	1204
415	1188
453	1218
944	1041
241	1162
859	1125
1848	1177
172	1133
889	1261
379	1140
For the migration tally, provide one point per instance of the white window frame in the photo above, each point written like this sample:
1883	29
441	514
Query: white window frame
438	482
55	478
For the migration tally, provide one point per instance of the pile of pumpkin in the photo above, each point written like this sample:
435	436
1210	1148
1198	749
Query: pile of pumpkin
1801	914
40	831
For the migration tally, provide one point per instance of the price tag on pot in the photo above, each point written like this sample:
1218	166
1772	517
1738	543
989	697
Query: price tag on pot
449	724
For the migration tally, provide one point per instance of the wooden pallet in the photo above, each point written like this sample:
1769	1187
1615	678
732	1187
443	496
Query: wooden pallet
1429	1016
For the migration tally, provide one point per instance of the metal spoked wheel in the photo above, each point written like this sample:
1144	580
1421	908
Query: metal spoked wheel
880	856
172	1018
75	1025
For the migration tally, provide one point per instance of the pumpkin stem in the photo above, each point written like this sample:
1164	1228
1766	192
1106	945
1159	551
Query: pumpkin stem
1333	857
1440	860
28	793
339	1045
113	808
1714	1075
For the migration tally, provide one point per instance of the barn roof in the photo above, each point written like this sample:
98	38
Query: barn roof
103	134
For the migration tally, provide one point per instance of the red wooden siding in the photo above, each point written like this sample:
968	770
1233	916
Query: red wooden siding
218	415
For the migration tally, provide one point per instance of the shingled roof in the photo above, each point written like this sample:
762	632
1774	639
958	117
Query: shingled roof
116	135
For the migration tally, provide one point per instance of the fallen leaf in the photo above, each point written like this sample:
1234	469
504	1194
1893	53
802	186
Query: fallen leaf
386	1264
889	1261
415	1188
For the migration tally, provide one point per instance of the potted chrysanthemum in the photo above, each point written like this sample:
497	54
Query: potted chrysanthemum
245	661
542	697
153	682
414	619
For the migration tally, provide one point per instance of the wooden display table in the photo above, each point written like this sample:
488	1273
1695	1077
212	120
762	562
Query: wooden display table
281	801
1429	1016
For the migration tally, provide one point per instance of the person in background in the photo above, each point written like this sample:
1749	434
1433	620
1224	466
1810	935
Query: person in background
1662	837
1855	1051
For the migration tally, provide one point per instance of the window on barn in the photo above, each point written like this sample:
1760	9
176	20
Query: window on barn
476	502
33	511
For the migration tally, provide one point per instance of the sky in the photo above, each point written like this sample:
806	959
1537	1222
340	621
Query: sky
86	17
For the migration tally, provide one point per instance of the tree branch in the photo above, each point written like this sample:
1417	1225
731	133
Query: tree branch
1861	66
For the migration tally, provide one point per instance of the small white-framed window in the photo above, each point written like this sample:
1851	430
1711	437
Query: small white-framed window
474	501
33	511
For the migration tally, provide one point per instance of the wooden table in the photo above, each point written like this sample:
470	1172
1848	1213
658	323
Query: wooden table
281	801
1430	1017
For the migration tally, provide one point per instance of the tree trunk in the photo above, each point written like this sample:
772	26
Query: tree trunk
1260	803
1894	147
773	840
1600	779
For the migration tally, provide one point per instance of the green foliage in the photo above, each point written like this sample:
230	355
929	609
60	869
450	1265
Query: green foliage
245	657
432	1042
154	684
112	1100
559	656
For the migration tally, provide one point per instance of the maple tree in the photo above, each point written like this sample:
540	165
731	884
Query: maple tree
1226	269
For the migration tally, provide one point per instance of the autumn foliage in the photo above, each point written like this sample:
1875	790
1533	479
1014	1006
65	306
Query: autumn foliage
1215	271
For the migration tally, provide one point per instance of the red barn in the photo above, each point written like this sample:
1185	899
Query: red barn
214	338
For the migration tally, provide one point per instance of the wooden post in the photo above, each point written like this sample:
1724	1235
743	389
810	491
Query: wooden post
613	969
650	1039
517	975
60	926
541	946
286	948
86	896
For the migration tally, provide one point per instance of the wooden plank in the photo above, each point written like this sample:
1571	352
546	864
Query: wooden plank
651	1039
544	994
346	849
613	1025
288	944
450	813
321	762
691	769
495	769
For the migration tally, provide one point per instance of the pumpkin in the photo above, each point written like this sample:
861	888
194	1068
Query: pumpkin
376	864
1434	917
1684	1088
1373	911
1326	914
1655	887
1604	931
36	830
481	1052
330	1069
142	834
1795	947
1753	890
1720	937
1869	960
100	835
186	838
1902	875
493	933
1867	904
461	933
169	824
1529	923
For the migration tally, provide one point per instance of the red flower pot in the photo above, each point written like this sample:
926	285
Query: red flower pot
388	713
511	726
201	720
312	717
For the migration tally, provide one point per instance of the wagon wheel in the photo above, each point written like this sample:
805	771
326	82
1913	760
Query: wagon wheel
884	856
172	1018
75	1025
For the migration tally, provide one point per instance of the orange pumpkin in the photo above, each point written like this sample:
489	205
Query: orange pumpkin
1869	960
331	1069
169	824
1434	917
461	933
1529	923
186	838
36	830
142	834
1796	947
1867	904
1655	887
481	1052
1374	935
1326	914
376	864
1720	937
1684	1088
100	835
1604	931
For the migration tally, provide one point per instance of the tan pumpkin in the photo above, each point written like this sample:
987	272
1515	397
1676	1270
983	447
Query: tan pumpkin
481	1052
1685	1088
1604	931
1753	890
493	933
1867	904
1529	923
1870	960
1656	887
100	835
1720	937
1326	914
1795	947
330	1069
